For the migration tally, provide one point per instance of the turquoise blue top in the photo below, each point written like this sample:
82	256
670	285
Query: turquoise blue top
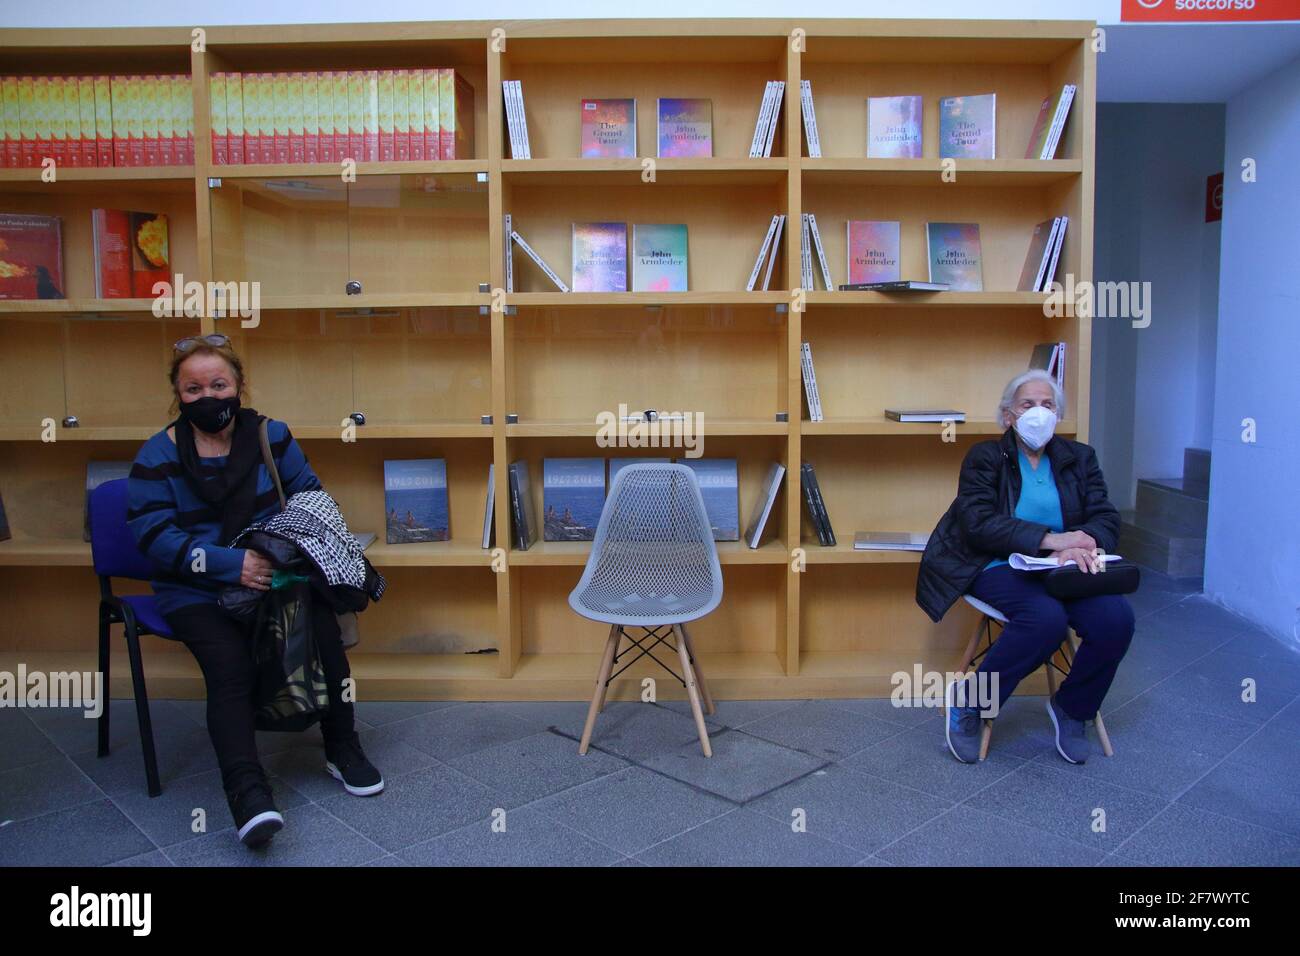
1039	500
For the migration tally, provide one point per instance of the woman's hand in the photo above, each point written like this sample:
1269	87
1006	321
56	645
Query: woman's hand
256	573
1089	561
1067	540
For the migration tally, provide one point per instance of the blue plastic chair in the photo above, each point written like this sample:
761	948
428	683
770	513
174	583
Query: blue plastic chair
654	566
115	555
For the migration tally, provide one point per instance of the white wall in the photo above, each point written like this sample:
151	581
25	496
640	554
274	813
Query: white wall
1153	387
1253	549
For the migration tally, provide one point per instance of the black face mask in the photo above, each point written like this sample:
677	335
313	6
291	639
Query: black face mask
210	414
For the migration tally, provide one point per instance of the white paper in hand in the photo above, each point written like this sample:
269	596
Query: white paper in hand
1024	562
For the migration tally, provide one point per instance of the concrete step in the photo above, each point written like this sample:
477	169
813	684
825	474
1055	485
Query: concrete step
1166	500
1165	544
1196	468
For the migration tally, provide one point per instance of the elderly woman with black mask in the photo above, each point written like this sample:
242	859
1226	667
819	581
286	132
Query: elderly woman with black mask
193	487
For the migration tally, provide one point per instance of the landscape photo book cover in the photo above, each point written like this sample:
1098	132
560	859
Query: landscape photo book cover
415	500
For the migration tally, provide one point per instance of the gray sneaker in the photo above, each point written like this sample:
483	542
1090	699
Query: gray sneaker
1071	740
961	727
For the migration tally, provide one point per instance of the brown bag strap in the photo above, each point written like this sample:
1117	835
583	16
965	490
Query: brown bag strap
267	457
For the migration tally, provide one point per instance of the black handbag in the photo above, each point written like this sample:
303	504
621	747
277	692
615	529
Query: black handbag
1068	583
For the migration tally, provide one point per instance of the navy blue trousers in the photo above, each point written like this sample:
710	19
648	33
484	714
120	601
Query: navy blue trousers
1036	626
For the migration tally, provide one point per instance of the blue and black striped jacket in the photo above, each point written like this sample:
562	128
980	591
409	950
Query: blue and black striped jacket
169	520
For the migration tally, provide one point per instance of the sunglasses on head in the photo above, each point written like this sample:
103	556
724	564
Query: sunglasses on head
216	340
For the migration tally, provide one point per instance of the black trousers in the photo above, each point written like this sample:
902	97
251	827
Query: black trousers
222	645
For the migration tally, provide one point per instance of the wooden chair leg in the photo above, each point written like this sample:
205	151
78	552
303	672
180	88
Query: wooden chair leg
617	632
971	646
709	708
986	735
1104	738
602	677
1051	674
688	674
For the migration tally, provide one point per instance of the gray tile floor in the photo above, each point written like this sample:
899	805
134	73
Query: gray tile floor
1200	777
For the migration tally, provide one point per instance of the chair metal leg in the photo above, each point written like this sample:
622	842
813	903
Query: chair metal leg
602	677
709	708
688	673
105	631
142	708
617	631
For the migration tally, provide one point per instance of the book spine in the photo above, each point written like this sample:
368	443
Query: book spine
810	502
510	258
1058	122
812	378
778	97
517	512
523	118
760	125
776	245
13	144
356	116
281	109
150	132
415	114
446	113
58	131
266	105
134	135
311	122
294	122
805	254
325	116
385	120
519	241
821	252
807	382
810	120
512	126
166	120
432	112
1050	277
217	119
822	513
762	255
463	130
72	118
41	115
1046	256
401	116
488	506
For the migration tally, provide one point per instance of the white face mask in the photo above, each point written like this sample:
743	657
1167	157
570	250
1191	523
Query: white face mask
1036	426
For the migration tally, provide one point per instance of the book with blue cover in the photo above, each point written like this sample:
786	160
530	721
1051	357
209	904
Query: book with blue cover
717	478
415	500
573	494
659	257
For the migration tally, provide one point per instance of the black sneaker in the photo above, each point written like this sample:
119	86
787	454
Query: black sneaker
255	814
345	762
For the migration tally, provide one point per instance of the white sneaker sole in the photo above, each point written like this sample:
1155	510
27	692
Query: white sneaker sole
947	720
333	771
1051	712
266	824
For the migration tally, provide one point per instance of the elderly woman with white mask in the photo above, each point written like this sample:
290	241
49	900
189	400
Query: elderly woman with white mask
1029	492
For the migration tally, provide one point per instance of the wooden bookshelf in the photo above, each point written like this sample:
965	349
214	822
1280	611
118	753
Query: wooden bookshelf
426	350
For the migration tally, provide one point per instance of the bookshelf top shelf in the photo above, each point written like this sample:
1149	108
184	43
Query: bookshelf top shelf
860	171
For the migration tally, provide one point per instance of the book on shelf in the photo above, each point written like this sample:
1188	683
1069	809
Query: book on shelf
517	119
720	488
776	245
508	233
762	254
769	115
518	240
573	494
685	127
659	257
902	285
98	472
968	127
364	539
827	282
5	533
890	541
811	395
1041	242
924	415
811	135
415	500
805	254
31	256
816	505
1049	275
762	509
608	129
894	128
871	251
521	506
953	252
489	508
70	119
1050	124
773	121
600	257
1050	357
131	252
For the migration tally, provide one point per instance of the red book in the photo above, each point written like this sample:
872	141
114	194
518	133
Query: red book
31	257
111	233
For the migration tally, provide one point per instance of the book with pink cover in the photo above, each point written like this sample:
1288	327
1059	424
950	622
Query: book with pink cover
894	127
608	129
968	127
599	257
872	250
685	127
953	251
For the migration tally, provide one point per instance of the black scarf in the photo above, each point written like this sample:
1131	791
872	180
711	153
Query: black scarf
232	489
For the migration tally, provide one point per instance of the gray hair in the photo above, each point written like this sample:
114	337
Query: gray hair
1013	386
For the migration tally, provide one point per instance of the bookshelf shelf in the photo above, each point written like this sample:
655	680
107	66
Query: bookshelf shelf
429	347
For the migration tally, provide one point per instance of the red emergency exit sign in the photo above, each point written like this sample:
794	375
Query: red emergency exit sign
1207	11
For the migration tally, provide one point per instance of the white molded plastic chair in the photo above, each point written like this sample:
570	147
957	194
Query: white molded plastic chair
654	566
988	615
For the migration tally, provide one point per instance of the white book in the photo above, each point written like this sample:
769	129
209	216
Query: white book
821	252
1047	255
805	255
778	97
776	244
762	255
510	255
488	507
519	147
1050	276
763	506
810	120
1060	366
523	119
1058	122
811	391
890	541
507	95
519	241
760	125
